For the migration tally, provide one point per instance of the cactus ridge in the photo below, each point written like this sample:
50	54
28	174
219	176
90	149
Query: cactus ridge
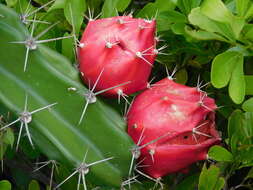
55	132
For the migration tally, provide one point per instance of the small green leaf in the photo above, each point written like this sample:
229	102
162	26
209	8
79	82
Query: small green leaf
249	86
203	35
122	5
111	7
209	178
237	81
197	18
73	11
58	4
152	9
244	8
216	10
178	28
34	185
11	3
187	5
219	153
223	66
248	105
181	76
5	185
67	47
174	16
190	182
8	137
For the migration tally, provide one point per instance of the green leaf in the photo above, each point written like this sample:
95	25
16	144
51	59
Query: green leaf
209	179
219	153
5	185
11	3
8	137
203	35
244	8
216	10
234	124
152	9
111	7
34	185
237	82
190	182
73	11
249	86
187	5
205	23
122	5
174	16
58	4
248	105
68	47
223	66
178	28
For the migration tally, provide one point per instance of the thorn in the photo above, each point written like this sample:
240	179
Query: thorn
128	182
91	15
83	169
90	96
195	131
123	95
170	77
159	50
25	118
148	177
201	102
152	152
31	43
24	15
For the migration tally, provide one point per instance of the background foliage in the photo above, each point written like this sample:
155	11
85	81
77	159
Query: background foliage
210	39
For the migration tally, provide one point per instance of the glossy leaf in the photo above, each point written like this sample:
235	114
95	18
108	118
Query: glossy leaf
196	17
248	105
187	5
74	11
58	4
190	182
203	35
209	179
34	185
111	7
237	82
11	3
8	137
5	185
244	8
216	10
219	153
223	66
159	6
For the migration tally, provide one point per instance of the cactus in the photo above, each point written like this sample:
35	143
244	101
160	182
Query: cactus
122	50
173	126
47	80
